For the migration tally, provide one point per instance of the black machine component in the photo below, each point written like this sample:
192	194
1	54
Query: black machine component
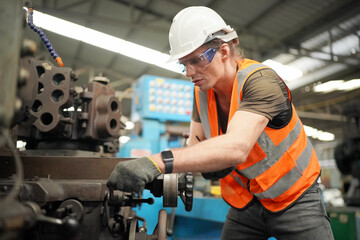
56	188
347	154
170	186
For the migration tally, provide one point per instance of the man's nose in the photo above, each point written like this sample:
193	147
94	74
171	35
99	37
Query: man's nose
190	70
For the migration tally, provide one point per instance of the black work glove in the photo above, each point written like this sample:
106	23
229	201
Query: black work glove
218	174
133	175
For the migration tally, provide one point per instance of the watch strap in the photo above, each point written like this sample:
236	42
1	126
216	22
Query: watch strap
168	158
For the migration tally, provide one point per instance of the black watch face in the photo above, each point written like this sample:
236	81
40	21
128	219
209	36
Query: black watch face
166	155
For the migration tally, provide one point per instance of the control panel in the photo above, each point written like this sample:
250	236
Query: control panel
162	99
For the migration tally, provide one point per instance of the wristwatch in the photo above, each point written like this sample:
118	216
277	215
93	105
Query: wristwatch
168	159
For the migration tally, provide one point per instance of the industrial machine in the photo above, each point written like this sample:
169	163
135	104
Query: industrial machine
347	155
162	107
56	187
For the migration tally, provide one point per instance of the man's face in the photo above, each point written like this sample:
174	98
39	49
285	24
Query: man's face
200	67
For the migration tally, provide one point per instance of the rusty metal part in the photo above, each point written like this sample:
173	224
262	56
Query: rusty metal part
26	92
52	115
72	208
42	190
170	190
87	188
55	92
60	167
100	102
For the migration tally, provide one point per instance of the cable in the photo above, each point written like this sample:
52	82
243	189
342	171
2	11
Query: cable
29	19
19	171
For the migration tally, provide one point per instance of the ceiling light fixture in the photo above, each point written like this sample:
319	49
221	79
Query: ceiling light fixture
328	86
337	85
350	85
318	134
285	72
104	41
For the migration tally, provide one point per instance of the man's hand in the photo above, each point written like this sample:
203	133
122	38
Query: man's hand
133	175
218	174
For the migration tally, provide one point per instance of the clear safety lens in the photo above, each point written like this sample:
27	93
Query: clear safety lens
201	61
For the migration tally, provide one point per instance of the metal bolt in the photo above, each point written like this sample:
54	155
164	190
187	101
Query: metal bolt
18	104
69	208
4	188
142	229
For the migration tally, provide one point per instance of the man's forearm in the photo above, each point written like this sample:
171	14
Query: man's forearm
210	155
222	151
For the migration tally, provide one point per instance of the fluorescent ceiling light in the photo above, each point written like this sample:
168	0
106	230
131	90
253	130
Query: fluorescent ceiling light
337	85
350	85
318	134
325	136
328	86
285	72
102	40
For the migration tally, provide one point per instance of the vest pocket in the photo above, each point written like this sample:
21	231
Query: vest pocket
285	166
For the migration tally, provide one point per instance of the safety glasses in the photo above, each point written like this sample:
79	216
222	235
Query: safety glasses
201	61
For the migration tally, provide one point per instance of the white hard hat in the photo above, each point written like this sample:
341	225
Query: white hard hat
194	26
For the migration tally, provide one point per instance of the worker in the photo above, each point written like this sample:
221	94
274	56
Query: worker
244	131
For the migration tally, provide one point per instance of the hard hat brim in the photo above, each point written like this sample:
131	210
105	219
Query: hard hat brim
227	37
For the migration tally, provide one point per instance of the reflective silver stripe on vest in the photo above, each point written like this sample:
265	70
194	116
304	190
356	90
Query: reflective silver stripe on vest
237	179
203	102
273	153
291	177
242	74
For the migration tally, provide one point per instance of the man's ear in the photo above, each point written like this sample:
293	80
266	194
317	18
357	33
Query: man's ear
225	51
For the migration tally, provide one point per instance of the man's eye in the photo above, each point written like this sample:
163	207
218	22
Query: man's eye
195	61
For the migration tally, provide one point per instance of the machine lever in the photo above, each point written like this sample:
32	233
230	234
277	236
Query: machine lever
139	201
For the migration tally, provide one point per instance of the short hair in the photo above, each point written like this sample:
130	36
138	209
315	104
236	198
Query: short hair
235	49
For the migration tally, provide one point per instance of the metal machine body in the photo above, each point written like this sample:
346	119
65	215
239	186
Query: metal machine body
56	187
59	117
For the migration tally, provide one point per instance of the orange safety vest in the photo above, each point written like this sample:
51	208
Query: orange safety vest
281	166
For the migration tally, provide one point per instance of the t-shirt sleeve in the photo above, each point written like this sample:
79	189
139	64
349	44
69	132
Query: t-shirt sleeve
265	93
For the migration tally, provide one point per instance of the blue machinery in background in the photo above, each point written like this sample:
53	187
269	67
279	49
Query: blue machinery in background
158	102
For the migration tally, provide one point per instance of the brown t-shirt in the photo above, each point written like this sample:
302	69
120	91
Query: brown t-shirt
264	93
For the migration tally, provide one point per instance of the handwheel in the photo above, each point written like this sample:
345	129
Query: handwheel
186	190
170	190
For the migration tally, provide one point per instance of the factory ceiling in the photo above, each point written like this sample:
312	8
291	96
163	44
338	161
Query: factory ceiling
319	37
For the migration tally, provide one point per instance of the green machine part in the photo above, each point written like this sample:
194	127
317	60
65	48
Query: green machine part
345	222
